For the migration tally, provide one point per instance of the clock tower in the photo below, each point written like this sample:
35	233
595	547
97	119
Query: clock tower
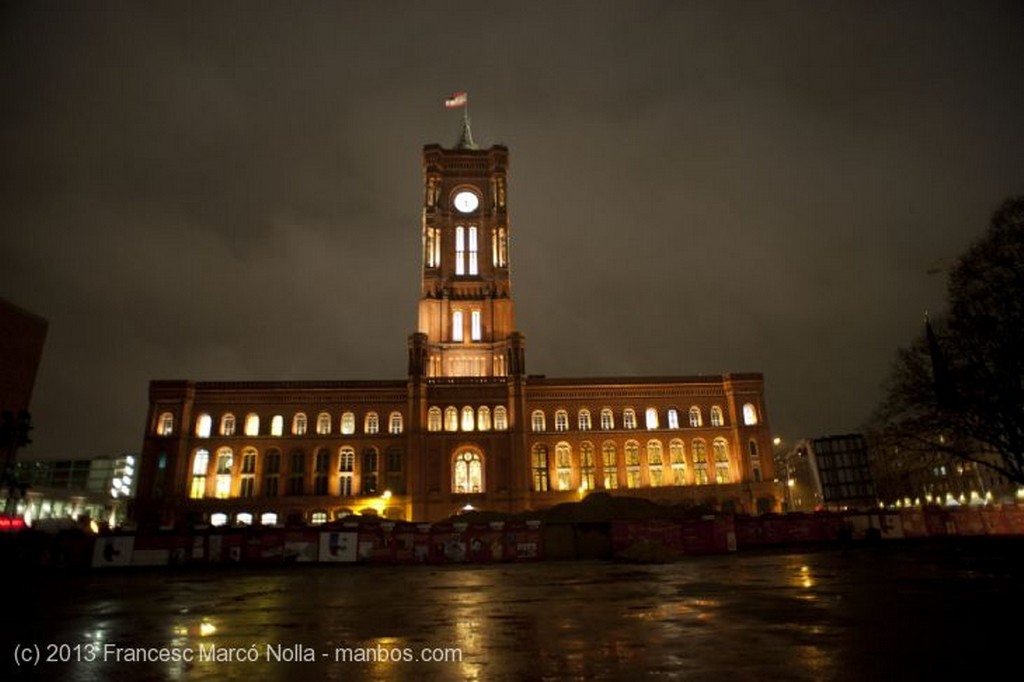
466	322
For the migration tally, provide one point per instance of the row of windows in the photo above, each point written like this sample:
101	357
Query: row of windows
468	419
475	325
299	424
466	249
538	420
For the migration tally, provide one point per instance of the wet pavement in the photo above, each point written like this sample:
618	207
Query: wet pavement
924	610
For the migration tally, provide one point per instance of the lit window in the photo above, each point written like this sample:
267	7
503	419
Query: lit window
277	425
695	417
654	463
628	418
227	425
475	329
561	420
721	450
700	462
483	419
716	416
563	466
243	519
460	250
583	418
539	458
346	470
200	463
651	417
473	270
252	424
457	325
248	480
323	424
165	424
318	518
500	418
299	424
371	424
348	423
677	459
632	451
434	419
468	473
204	424
609	462
218	519
451	419
468	418
395	423
607	419
225	458
268	519
537	421
586	465
749	415
673	418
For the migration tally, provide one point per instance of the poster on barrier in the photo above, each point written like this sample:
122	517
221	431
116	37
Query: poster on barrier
113	550
338	546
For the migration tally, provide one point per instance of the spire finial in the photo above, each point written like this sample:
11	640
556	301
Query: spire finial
461	100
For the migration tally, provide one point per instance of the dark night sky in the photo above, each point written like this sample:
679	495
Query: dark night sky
232	190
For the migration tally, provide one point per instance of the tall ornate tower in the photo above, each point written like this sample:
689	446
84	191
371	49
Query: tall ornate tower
466	322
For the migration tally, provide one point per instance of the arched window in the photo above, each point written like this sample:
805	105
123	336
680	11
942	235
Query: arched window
539	457
563	466
222	487
468	473
297	473
395	423
716	416
655	463
609	463
629	418
673	418
483	419
749	414
247	487
204	424
500	418
677	460
252	424
434	419
271	472
537	420
755	460
165	424
371	423
277	425
348	423
368	472
299	424
200	465
587	465
583	418
607	419
561	420
700	461
457	325
323	424
651	417
468	418
227	425
346	470
696	419
632	451
721	451
451	418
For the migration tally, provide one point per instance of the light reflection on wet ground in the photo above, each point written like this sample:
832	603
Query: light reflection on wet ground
907	611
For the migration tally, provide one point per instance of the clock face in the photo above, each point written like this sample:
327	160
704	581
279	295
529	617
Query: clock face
466	202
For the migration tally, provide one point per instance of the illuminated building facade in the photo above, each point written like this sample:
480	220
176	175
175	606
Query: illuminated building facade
468	427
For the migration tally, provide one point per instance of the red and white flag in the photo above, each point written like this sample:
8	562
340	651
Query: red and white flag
457	99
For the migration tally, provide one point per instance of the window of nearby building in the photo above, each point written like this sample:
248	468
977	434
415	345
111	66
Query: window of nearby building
371	423
395	423
227	425
369	472
651	418
539	457
204	424
609	462
200	465
451	418
655	463
500	418
348	423
271	471
537	420
700	461
346	469
607	419
677	460
434	419
457	325
563	466
695	417
252	424
716	416
561	420
632	450
468	473
721	451
318	518
299	424
673	418
468	418
165	424
583	419
323	424
629	418
277	425
475	326
483	418
247	487
587	465
749	414
297	479
268	519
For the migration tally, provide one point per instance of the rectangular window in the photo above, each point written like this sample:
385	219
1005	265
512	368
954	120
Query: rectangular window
475	326
473	270
460	250
345	485
270	486
248	486
457	325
